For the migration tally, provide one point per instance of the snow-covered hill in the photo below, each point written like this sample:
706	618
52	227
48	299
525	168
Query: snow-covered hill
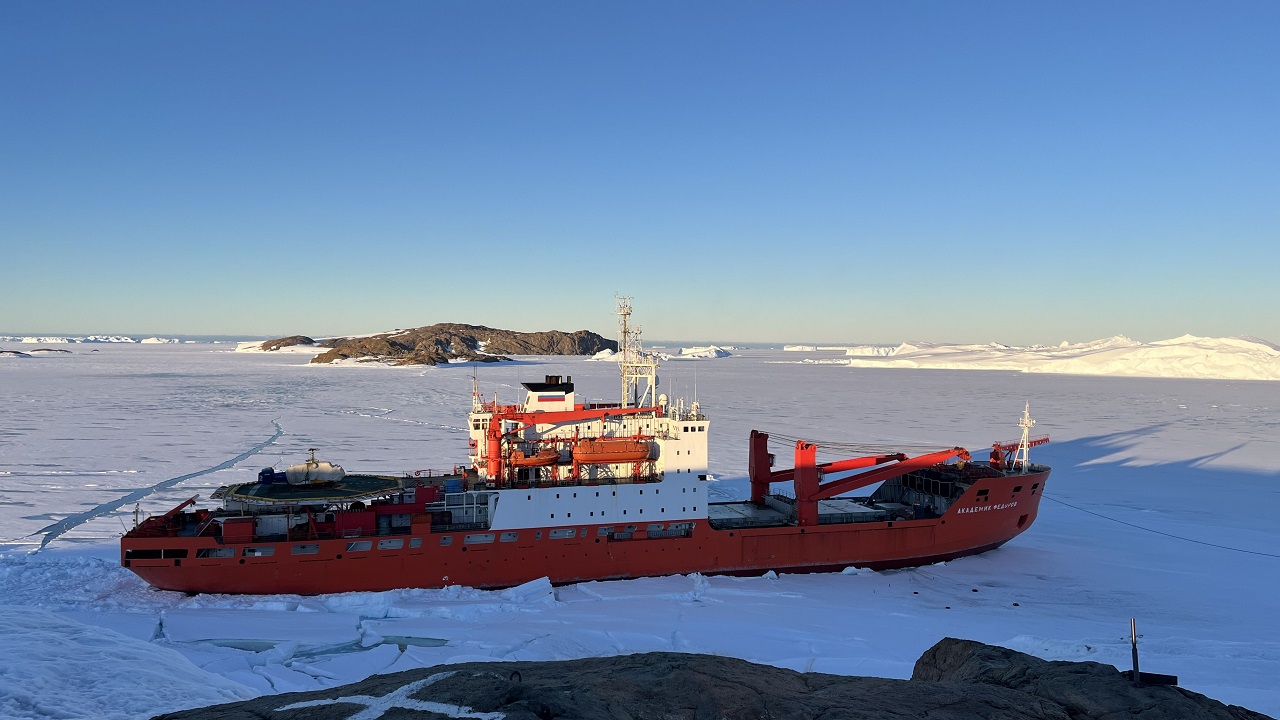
1238	358
62	339
705	352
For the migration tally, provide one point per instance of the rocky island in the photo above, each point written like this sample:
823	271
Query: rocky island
449	342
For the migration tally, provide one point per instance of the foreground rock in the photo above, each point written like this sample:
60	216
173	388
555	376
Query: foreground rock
446	342
953	680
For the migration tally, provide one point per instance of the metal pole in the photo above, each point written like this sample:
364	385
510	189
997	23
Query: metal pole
1133	638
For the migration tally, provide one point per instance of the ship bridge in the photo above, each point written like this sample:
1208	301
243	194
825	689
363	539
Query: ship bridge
550	396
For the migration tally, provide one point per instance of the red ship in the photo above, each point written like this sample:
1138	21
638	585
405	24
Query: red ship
575	492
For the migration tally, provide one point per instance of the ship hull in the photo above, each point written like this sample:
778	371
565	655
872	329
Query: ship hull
977	522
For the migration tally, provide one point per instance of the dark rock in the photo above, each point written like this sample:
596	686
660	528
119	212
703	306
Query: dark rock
445	342
1086	689
954	680
286	342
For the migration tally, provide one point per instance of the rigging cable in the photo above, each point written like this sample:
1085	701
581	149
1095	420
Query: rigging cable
828	447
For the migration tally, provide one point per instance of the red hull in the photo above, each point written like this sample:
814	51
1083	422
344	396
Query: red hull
970	526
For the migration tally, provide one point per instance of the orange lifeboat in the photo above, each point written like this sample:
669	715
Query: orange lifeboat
542	458
608	451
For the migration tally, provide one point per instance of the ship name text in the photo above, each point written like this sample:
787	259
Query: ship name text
984	508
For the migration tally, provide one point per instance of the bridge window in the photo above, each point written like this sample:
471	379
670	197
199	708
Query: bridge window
206	553
143	554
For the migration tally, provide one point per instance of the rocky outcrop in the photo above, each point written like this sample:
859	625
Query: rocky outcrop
287	342
954	680
1077	689
445	342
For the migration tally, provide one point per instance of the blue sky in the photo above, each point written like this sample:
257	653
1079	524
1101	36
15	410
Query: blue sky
749	171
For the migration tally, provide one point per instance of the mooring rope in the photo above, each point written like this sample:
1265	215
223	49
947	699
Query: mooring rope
1161	532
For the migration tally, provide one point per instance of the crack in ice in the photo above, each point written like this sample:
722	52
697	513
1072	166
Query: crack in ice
62	526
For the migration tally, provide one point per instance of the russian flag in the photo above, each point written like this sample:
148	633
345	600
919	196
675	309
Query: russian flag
551	398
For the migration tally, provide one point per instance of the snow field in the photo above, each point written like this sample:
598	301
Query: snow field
1158	508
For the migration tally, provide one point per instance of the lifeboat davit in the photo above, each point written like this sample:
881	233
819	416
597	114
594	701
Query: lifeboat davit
542	458
607	451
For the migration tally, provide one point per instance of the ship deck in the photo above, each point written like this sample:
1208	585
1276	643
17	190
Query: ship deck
779	511
351	487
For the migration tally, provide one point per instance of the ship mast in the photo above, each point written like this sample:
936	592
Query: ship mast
1021	459
636	364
